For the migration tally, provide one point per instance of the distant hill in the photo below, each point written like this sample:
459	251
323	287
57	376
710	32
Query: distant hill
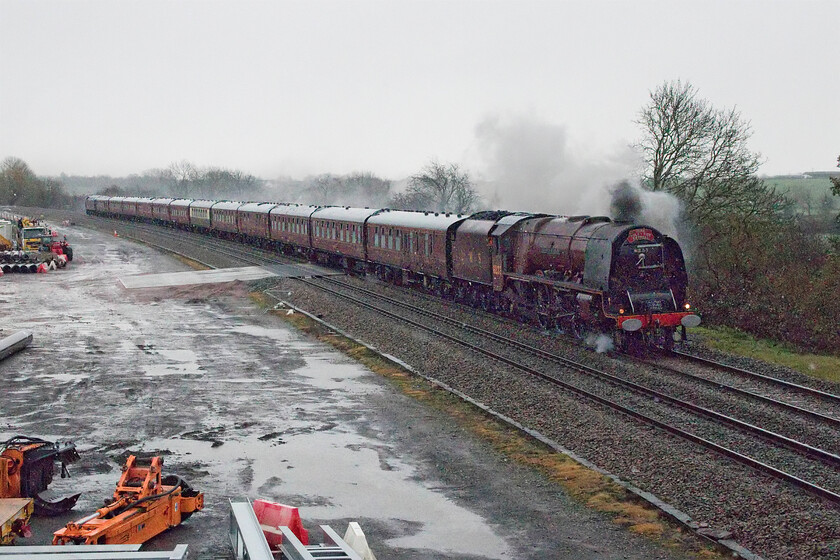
810	192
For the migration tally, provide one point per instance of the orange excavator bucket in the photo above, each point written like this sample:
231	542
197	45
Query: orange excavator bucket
145	503
27	465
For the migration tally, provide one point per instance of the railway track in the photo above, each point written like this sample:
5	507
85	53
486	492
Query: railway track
778	400
823	458
760	378
819	457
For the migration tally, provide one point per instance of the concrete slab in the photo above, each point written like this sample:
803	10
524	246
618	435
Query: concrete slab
222	275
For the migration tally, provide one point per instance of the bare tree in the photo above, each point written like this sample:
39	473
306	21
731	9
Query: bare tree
439	187
184	175
700	154
835	185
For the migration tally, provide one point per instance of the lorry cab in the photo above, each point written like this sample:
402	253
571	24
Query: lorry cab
33	237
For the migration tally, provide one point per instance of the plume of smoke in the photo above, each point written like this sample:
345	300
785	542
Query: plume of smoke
530	165
629	202
626	204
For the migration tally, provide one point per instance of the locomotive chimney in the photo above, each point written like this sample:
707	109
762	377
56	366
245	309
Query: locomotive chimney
625	205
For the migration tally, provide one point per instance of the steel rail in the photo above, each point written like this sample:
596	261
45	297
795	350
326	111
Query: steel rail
773	380
744	459
799	447
831	420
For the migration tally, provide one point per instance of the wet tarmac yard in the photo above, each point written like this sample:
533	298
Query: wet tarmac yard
241	405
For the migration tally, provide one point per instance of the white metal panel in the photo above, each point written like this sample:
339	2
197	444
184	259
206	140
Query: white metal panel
258	207
202	203
227	205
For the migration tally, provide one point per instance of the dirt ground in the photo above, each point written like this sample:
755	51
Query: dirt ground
240	405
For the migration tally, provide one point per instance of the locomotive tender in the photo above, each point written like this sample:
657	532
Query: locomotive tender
581	274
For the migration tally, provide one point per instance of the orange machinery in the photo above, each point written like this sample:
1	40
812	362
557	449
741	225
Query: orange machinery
145	504
26	469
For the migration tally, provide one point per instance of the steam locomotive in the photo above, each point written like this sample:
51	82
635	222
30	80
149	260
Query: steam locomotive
579	274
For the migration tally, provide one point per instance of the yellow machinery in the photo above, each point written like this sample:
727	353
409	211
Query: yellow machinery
32	238
8	235
14	518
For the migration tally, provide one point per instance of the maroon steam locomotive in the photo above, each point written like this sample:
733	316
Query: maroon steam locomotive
579	274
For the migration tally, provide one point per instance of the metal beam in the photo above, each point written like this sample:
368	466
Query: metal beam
178	553
246	536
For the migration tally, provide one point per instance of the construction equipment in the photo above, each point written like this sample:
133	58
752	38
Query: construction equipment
31	237
144	505
14	519
8	235
26	469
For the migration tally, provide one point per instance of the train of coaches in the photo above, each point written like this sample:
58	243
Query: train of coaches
581	274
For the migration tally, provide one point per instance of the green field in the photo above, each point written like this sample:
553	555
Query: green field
811	195
740	343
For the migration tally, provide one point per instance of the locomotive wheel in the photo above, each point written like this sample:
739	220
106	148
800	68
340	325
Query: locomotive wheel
545	321
631	343
668	340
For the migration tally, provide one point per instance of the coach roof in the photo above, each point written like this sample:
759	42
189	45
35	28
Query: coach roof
293	210
344	213
259	207
227	205
416	220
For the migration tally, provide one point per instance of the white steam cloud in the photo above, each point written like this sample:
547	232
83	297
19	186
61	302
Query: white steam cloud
530	165
600	342
524	164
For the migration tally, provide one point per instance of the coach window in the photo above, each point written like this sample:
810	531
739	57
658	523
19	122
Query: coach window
397	240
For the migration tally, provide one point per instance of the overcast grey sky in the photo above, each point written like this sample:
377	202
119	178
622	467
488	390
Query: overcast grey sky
294	88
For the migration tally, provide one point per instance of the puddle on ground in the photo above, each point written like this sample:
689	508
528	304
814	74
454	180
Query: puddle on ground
280	335
177	362
342	476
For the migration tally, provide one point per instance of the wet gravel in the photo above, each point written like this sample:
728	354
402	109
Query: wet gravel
768	517
711	489
652	406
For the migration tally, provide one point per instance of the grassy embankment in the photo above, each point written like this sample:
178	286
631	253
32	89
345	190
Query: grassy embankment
737	342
